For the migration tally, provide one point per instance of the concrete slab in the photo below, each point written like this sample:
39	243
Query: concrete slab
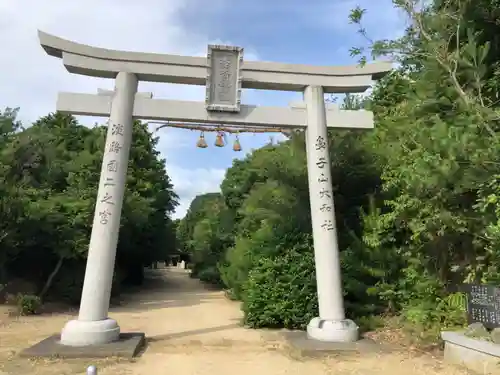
304	346
480	356
128	345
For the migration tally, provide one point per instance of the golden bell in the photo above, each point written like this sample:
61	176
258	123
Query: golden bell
236	144
201	142
219	141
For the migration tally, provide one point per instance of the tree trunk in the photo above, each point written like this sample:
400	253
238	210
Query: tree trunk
48	284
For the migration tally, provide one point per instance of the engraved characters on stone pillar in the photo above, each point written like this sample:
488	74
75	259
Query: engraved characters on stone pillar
325	191
113	148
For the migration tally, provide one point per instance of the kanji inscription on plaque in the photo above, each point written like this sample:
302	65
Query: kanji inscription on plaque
223	93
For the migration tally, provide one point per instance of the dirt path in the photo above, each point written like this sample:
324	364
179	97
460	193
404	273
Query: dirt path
193	330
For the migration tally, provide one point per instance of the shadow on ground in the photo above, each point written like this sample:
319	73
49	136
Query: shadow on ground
194	332
163	288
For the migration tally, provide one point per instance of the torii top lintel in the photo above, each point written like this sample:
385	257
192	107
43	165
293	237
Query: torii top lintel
153	67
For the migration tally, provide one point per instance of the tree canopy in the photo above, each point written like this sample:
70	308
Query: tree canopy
49	176
417	199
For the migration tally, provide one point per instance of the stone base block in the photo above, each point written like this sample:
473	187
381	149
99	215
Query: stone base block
480	356
333	331
128	345
95	332
305	346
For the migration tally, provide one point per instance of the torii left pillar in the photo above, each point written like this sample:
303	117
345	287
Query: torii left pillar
93	326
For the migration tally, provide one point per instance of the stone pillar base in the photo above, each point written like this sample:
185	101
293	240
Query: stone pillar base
82	333
332	331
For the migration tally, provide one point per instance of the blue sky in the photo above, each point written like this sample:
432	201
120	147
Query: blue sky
292	31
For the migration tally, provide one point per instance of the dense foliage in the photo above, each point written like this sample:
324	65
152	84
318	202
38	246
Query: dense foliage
48	183
417	199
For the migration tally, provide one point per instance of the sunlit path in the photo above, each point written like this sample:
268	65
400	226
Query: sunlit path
193	329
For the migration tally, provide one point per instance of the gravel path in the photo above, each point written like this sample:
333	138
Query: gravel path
195	330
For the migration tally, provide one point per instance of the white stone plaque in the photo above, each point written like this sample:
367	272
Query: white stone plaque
224	78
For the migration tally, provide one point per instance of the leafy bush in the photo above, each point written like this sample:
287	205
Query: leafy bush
281	290
424	306
49	175
417	200
234	271
210	275
28	304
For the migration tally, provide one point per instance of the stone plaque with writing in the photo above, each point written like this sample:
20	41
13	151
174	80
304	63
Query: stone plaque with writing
224	78
483	304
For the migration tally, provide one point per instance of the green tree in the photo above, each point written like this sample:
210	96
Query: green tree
49	175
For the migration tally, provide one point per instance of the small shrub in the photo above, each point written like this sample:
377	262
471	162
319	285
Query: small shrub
28	304
210	275
238	262
425	319
370	323
229	295
281	291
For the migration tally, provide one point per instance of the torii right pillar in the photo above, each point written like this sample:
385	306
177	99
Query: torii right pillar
331	325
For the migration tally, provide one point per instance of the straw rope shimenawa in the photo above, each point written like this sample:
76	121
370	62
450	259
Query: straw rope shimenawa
232	129
221	130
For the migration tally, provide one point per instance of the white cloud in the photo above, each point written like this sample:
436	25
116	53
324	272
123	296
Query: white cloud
191	182
31	79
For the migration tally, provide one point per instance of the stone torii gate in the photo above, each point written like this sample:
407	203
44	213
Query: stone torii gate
225	74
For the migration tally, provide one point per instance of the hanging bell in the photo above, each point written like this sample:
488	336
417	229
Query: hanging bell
201	142
219	140
236	145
